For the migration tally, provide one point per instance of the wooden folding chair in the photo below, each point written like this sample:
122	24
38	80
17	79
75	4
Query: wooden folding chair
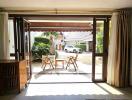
46	61
72	60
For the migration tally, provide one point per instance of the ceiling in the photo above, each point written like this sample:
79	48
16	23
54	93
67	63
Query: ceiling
66	5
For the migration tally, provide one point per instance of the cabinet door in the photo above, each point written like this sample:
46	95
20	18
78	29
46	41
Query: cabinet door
22	73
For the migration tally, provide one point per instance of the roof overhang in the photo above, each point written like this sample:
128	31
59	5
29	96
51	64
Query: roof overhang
60	26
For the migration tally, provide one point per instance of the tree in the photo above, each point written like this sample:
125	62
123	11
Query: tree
51	36
48	34
40	47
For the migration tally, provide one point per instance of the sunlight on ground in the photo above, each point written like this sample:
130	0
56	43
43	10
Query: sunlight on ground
109	88
64	89
53	78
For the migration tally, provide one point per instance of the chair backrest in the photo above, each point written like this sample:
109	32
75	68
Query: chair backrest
45	58
52	57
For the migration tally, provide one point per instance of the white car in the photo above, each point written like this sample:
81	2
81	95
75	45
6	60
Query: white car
72	49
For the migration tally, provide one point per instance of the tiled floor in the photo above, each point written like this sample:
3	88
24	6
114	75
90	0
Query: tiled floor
62	84
75	91
60	78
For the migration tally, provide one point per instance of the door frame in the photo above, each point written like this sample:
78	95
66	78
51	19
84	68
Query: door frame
20	27
104	55
106	18
27	28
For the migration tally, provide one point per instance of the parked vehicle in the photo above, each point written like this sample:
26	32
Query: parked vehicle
69	48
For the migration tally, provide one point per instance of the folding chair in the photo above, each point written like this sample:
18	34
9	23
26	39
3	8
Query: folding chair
46	61
72	60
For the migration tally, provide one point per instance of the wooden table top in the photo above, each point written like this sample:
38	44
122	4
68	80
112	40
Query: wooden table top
59	59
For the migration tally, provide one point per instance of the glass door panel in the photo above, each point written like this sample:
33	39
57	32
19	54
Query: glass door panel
98	68
99	48
99	36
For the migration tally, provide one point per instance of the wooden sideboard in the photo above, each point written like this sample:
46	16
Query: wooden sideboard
13	76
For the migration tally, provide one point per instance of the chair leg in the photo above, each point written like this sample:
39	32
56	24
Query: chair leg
73	62
74	66
51	65
67	65
44	66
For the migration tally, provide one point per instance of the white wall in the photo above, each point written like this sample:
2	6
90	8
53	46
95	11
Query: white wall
11	36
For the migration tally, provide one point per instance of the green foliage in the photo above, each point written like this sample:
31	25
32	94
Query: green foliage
82	46
42	39
99	37
83	43
40	47
47	34
99	42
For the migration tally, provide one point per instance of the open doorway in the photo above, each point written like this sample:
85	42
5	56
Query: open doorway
69	39
84	38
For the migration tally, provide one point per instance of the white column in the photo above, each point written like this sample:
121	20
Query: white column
4	37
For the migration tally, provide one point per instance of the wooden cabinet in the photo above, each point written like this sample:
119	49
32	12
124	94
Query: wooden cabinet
13	76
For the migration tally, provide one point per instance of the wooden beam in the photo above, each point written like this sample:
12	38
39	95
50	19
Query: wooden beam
59	24
60	29
34	16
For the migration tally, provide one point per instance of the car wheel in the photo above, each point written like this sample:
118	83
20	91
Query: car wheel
74	51
66	50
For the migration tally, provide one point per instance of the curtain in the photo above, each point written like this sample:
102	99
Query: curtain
4	37
112	52
118	57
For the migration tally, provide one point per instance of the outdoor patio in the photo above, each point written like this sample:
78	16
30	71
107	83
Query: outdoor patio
63	75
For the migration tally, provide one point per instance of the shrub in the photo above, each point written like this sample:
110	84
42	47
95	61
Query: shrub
42	40
82	46
40	47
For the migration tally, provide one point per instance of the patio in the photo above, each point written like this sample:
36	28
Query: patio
63	75
60	75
